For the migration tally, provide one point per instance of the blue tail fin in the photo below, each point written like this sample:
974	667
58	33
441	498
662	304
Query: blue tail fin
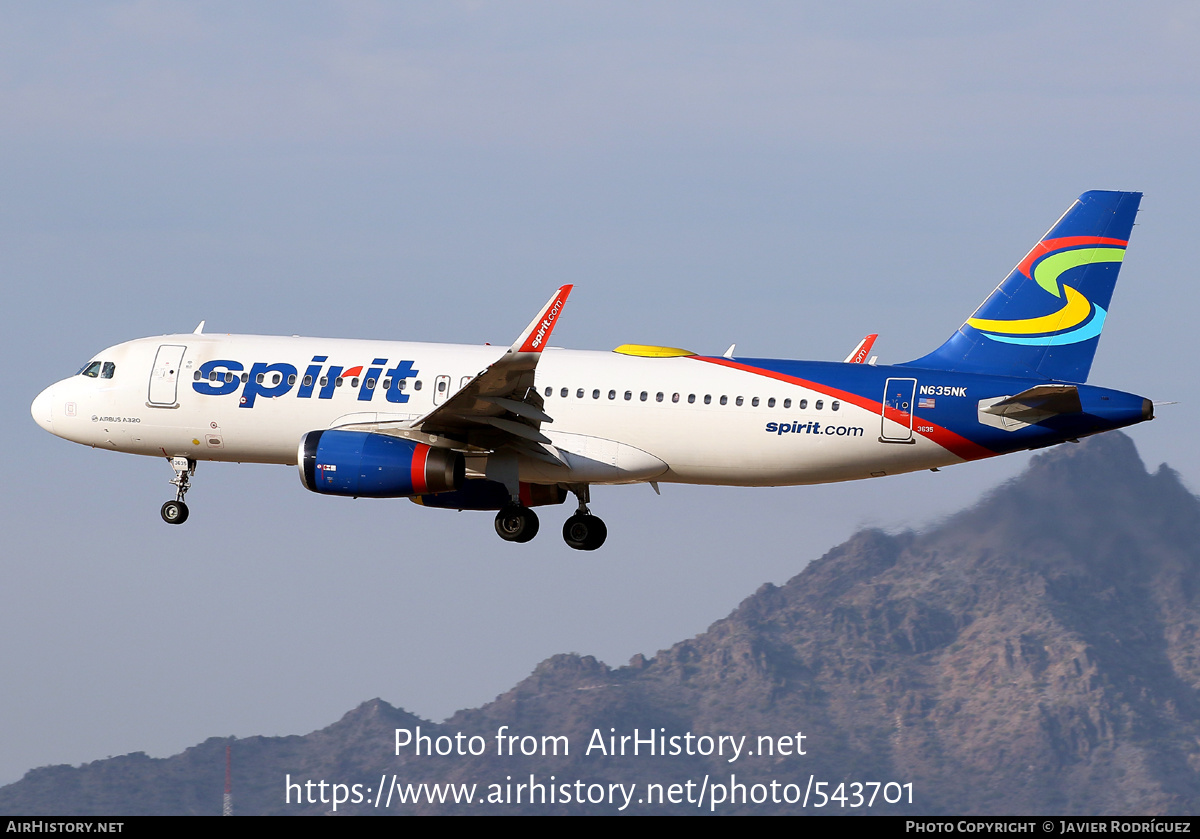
1044	320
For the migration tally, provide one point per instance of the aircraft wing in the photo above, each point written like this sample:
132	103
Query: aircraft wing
500	405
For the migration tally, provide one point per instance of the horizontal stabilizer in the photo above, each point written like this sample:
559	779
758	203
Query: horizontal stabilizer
1054	399
1029	407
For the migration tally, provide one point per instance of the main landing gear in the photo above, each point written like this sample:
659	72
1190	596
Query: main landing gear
516	523
584	532
176	512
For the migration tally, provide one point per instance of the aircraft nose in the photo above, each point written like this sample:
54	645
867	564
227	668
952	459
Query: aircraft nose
43	409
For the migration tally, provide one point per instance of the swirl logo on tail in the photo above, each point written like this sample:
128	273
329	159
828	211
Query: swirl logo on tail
1078	319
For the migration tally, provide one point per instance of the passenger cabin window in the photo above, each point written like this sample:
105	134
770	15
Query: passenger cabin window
707	399
803	404
820	404
771	402
417	384
754	402
91	371
834	405
549	391
563	393
724	400
787	403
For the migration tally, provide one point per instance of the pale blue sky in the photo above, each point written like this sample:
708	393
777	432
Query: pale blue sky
789	176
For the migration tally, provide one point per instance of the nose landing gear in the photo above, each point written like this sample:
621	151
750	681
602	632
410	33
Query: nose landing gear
176	512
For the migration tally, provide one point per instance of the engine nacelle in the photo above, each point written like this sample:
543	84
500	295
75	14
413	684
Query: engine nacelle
481	494
366	465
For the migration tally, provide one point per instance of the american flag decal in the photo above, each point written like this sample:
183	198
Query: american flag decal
925	402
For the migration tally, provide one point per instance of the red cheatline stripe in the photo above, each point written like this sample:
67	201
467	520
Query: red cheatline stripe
1047	245
954	443
420	456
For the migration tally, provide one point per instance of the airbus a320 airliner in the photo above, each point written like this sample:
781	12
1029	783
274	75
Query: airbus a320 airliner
472	428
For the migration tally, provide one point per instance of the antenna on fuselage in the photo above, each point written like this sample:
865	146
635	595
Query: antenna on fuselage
199	330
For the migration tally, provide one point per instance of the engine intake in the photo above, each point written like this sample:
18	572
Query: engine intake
367	465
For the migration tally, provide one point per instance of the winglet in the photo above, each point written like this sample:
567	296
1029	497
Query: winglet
535	336
859	354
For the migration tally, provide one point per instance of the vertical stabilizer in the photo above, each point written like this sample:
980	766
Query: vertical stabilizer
1044	320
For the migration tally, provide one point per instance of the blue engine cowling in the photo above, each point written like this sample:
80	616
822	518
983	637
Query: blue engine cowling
480	494
365	465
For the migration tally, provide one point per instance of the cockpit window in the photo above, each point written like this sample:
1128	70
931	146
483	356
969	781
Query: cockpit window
92	370
107	371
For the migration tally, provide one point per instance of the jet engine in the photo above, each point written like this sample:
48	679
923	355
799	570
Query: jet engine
367	465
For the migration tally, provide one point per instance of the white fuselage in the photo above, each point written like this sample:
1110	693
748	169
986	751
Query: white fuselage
622	419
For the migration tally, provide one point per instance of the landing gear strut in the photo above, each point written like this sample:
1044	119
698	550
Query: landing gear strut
516	523
176	512
583	531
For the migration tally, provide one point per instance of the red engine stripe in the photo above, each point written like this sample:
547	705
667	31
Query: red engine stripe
420	458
